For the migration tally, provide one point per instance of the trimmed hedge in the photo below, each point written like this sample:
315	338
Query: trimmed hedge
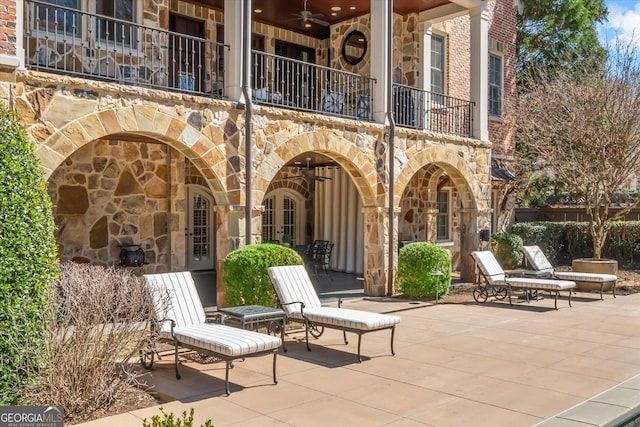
28	259
416	264
564	241
245	277
508	249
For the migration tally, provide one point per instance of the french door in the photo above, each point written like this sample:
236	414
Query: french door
200	234
283	216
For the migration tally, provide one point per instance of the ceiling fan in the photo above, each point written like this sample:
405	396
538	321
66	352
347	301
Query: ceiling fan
306	17
309	173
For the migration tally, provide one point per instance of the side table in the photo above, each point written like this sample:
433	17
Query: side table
252	316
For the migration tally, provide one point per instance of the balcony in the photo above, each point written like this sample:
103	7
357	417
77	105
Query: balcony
424	110
72	42
303	86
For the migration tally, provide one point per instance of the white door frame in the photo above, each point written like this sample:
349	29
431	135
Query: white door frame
300	213
193	230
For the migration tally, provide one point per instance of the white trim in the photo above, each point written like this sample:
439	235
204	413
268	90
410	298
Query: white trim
300	212
501	86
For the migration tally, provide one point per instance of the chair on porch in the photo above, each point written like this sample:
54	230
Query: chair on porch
301	304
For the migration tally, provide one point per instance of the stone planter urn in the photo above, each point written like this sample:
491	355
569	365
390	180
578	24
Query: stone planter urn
594	265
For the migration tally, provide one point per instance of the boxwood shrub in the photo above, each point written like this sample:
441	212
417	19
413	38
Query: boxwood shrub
417	263
245	275
508	249
28	259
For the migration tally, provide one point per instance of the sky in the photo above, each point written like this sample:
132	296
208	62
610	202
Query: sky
623	21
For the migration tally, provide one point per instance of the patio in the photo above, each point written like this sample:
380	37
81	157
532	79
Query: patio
456	364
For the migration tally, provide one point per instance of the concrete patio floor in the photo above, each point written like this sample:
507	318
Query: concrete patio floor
462	364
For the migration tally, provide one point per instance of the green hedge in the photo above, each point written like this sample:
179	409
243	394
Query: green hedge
416	264
245	275
28	259
507	248
564	241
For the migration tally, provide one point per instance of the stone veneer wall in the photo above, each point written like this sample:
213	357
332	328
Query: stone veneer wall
112	193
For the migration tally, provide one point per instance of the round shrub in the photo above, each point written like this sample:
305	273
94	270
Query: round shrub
245	276
417	263
508	249
28	259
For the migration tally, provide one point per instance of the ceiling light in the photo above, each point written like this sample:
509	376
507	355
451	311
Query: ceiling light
336	8
307	25
257	10
352	8
334	14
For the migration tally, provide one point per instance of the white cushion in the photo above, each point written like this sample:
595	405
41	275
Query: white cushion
353	319
543	284
536	258
260	94
226	340
586	277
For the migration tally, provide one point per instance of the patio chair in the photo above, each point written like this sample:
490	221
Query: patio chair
332	101
539	263
181	322
301	304
494	277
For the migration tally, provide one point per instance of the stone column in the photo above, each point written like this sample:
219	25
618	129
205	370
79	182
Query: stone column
471	221
432	214
479	42
380	57
233	15
177	208
227	218
376	251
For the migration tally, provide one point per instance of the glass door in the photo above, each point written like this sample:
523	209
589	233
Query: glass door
282	217
200	230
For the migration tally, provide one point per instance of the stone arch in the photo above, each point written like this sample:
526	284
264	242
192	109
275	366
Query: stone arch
146	123
341	150
450	162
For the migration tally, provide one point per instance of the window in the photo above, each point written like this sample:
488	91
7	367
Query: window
495	85
52	18
116	30
437	64
442	218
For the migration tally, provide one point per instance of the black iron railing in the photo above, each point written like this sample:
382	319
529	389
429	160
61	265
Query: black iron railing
73	42
421	109
299	85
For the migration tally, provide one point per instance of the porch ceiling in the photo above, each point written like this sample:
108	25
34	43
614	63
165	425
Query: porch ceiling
280	13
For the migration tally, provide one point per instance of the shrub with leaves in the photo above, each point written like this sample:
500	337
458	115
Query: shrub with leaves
508	249
245	277
28	259
419	265
169	420
98	318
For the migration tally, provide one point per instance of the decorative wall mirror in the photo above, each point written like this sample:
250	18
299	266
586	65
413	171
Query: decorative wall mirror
354	47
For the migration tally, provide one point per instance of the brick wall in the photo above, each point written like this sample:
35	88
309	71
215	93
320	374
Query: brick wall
8	27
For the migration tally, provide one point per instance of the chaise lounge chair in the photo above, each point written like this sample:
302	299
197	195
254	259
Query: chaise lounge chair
537	260
495	277
181	321
301	304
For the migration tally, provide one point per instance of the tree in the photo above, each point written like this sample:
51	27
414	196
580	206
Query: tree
583	127
554	34
28	259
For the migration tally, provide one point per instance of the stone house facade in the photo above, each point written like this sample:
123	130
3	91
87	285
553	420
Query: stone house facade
152	137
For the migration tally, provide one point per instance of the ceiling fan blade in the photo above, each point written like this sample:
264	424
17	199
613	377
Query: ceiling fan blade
319	22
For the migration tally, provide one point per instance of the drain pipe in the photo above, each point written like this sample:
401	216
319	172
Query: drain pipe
246	91
392	137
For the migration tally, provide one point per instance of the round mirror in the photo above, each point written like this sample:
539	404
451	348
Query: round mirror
354	47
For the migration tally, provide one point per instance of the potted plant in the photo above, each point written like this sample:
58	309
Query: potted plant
287	240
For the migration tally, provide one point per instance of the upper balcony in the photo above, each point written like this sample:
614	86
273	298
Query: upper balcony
75	42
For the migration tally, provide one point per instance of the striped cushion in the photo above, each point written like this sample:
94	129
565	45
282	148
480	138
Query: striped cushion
543	284
586	277
176	298
536	258
292	284
346	318
489	266
226	340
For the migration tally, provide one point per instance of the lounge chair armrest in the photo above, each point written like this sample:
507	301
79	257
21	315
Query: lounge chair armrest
173	325
302	306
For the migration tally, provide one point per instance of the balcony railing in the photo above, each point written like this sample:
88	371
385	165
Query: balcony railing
302	86
69	41
420	109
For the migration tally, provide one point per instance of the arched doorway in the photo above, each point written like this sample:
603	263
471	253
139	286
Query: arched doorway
200	232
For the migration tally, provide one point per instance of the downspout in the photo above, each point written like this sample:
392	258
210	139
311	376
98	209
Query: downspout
246	91
392	136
